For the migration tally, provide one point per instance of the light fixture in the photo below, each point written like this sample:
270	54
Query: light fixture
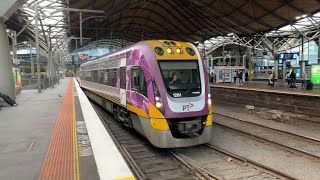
209	99
159	104
230	34
170	51
303	16
179	51
298	17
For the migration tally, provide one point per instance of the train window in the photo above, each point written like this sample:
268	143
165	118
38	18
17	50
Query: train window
106	73
110	77
101	77
123	78
114	78
138	82
91	76
95	76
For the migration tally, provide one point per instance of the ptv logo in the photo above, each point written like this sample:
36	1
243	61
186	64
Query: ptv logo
187	107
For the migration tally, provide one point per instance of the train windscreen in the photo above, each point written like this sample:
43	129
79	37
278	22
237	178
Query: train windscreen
182	78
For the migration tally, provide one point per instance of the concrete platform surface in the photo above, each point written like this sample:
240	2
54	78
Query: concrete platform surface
26	132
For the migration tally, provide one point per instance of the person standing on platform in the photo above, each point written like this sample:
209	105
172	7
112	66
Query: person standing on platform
293	78
237	78
246	76
8	100
241	76
211	77
288	78
271	79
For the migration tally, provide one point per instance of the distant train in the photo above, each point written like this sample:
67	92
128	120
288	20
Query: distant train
158	87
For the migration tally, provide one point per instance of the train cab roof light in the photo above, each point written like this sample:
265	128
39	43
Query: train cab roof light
179	51
190	51
169	50
166	43
159	51
173	43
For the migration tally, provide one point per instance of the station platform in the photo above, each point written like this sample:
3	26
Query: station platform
260	95
57	135
279	87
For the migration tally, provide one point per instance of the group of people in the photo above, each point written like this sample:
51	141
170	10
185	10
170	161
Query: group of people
238	78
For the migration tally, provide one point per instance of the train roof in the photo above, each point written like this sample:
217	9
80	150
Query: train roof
165	45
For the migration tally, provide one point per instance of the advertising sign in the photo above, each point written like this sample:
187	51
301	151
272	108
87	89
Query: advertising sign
315	74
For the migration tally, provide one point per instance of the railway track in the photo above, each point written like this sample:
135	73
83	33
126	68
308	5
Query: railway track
295	116
258	166
147	161
226	165
304	144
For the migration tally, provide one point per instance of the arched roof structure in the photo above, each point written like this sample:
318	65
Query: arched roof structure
187	20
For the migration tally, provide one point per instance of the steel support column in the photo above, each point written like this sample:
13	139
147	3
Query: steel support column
31	60
302	60
49	59
6	76
80	28
14	46
37	46
319	50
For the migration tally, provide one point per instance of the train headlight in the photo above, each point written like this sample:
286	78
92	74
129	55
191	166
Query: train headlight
159	104
179	51
157	98
170	51
209	99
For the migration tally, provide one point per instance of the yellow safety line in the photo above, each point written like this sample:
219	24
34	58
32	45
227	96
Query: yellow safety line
75	141
126	178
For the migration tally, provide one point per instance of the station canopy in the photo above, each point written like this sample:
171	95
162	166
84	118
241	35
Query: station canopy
184	20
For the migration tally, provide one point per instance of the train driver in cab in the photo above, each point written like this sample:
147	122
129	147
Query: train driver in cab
174	80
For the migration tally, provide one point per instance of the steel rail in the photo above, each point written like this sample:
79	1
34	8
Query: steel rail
138	172
251	163
295	117
306	138
204	174
275	144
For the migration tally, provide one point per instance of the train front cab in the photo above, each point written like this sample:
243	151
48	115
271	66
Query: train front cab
181	117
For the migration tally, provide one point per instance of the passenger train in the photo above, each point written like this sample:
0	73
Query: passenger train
158	87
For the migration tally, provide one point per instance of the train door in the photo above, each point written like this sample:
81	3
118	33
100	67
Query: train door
123	81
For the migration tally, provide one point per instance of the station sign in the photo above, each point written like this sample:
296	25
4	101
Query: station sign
315	74
287	56
16	61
